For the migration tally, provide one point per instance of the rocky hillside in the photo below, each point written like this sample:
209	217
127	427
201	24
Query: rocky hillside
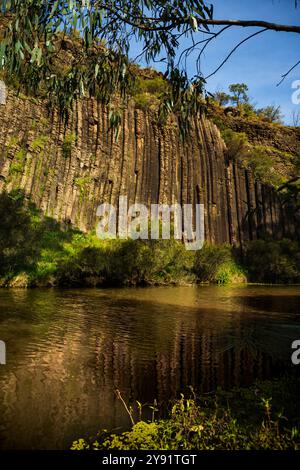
68	170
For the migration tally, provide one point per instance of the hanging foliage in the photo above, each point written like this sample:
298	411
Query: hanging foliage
63	50
36	53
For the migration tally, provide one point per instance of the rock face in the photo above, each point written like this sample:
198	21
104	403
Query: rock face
69	170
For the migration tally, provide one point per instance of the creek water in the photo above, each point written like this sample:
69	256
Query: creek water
68	351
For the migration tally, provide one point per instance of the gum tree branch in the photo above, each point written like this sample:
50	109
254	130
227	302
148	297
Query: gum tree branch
233	51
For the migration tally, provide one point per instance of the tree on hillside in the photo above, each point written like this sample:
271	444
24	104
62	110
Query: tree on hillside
34	38
239	93
222	98
271	114
296	118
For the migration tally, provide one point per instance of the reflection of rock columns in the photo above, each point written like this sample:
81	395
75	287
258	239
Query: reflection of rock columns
64	380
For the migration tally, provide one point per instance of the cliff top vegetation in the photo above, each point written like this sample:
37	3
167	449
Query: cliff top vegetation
29	50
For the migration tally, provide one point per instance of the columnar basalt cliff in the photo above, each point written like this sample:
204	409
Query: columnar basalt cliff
68	170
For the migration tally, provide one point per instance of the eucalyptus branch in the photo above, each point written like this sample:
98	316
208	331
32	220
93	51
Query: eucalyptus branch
173	24
233	51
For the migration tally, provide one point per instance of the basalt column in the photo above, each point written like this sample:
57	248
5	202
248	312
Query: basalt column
68	170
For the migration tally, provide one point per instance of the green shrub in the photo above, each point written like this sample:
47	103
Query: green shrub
17	166
83	185
68	143
273	262
149	92
271	114
230	272
144	101
240	419
18	242
37	246
39	143
237	144
259	159
154	86
128	262
217	264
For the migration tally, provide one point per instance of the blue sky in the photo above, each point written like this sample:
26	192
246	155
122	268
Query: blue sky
260	62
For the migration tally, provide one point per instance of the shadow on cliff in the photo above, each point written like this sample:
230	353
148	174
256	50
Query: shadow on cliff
24	235
36	250
39	251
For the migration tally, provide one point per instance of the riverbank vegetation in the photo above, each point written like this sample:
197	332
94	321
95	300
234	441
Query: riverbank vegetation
262	417
35	251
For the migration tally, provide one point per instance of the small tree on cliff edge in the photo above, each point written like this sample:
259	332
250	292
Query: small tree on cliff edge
239	93
221	98
271	113
29	47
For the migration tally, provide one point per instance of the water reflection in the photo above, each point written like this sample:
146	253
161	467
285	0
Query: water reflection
67	351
